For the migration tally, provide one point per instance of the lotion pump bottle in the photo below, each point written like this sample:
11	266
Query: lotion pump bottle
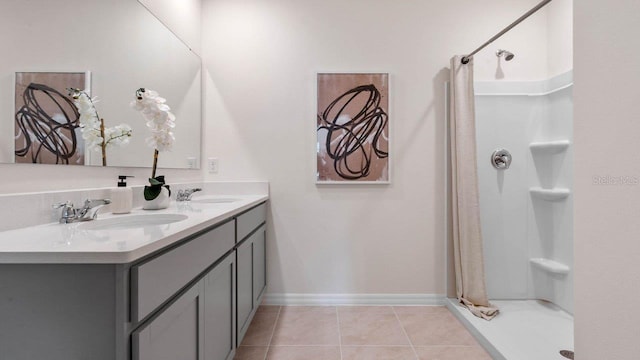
121	197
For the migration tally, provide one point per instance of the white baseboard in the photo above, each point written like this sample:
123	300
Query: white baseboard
353	299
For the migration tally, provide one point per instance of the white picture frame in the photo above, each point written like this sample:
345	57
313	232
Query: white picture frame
353	128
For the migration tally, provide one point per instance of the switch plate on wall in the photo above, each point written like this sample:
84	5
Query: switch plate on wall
192	162
212	165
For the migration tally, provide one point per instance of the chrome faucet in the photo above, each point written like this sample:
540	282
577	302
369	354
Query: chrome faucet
186	194
88	212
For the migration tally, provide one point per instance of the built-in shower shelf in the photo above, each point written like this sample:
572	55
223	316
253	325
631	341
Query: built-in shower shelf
549	147
550	266
550	194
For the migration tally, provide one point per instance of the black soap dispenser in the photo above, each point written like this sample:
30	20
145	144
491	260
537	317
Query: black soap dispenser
121	197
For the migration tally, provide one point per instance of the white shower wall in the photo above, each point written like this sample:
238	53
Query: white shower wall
516	225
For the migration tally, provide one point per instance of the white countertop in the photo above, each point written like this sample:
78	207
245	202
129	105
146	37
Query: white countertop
70	244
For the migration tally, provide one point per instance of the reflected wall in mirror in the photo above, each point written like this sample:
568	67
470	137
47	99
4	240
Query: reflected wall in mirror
124	47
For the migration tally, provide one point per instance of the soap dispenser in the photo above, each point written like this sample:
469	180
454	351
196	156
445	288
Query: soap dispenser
121	197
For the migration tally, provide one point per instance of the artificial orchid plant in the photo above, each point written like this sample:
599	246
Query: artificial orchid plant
94	133
161	122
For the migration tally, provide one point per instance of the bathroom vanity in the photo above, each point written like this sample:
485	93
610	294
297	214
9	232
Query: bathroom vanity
184	290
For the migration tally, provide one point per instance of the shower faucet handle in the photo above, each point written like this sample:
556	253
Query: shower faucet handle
501	159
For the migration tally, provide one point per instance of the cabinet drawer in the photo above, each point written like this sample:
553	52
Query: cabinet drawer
176	333
250	220
156	280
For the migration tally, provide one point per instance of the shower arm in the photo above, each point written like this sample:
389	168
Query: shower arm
467	58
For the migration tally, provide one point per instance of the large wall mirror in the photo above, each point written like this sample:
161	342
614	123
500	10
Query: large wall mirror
109	47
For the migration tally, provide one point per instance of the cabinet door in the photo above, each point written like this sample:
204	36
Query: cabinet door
259	265
244	258
219	311
176	333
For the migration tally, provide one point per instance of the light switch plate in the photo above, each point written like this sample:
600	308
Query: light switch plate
212	165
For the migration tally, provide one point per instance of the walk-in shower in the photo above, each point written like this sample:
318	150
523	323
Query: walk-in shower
526	213
524	156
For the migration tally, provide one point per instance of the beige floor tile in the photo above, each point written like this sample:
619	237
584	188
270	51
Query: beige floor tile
261	328
309	309
303	353
268	308
306	326
420	310
365	309
435	329
452	353
378	353
371	326
251	353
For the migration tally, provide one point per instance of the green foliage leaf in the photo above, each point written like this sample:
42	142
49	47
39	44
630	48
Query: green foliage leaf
153	191
155	181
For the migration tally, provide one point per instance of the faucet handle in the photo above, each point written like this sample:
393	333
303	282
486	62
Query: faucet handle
68	211
65	204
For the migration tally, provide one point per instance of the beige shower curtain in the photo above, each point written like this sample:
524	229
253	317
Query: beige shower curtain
467	237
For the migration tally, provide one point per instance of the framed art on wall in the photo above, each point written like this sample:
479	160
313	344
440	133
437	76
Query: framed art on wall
46	119
352	128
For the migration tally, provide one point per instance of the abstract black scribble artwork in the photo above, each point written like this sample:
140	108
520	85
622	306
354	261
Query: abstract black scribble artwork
353	128
46	120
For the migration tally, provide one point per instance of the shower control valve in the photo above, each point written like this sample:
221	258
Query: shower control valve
501	159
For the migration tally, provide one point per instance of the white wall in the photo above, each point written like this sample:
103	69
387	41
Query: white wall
182	17
505	122
542	44
29	178
559	36
262	58
606	128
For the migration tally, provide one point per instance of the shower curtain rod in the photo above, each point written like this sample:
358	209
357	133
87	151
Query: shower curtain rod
465	59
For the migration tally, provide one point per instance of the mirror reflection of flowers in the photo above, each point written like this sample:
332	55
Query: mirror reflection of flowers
94	133
161	122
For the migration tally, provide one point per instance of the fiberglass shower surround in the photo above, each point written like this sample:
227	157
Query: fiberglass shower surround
526	210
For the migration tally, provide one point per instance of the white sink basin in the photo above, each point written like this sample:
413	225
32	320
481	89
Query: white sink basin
215	200
131	221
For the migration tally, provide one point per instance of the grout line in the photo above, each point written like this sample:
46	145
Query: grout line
306	346
339	333
273	331
415	353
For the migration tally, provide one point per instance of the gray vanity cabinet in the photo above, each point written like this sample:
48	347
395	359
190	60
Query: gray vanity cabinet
192	300
174	333
198	325
219	311
213	315
259	264
244	255
251	278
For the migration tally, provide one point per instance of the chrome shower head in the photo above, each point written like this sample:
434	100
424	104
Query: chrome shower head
508	55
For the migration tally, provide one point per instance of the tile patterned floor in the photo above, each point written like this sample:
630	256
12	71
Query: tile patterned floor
358	333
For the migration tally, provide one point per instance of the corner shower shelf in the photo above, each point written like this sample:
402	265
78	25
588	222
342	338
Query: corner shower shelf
550	266
550	194
550	147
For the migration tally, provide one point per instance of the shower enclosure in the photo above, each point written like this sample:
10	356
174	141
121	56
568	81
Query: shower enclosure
526	213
